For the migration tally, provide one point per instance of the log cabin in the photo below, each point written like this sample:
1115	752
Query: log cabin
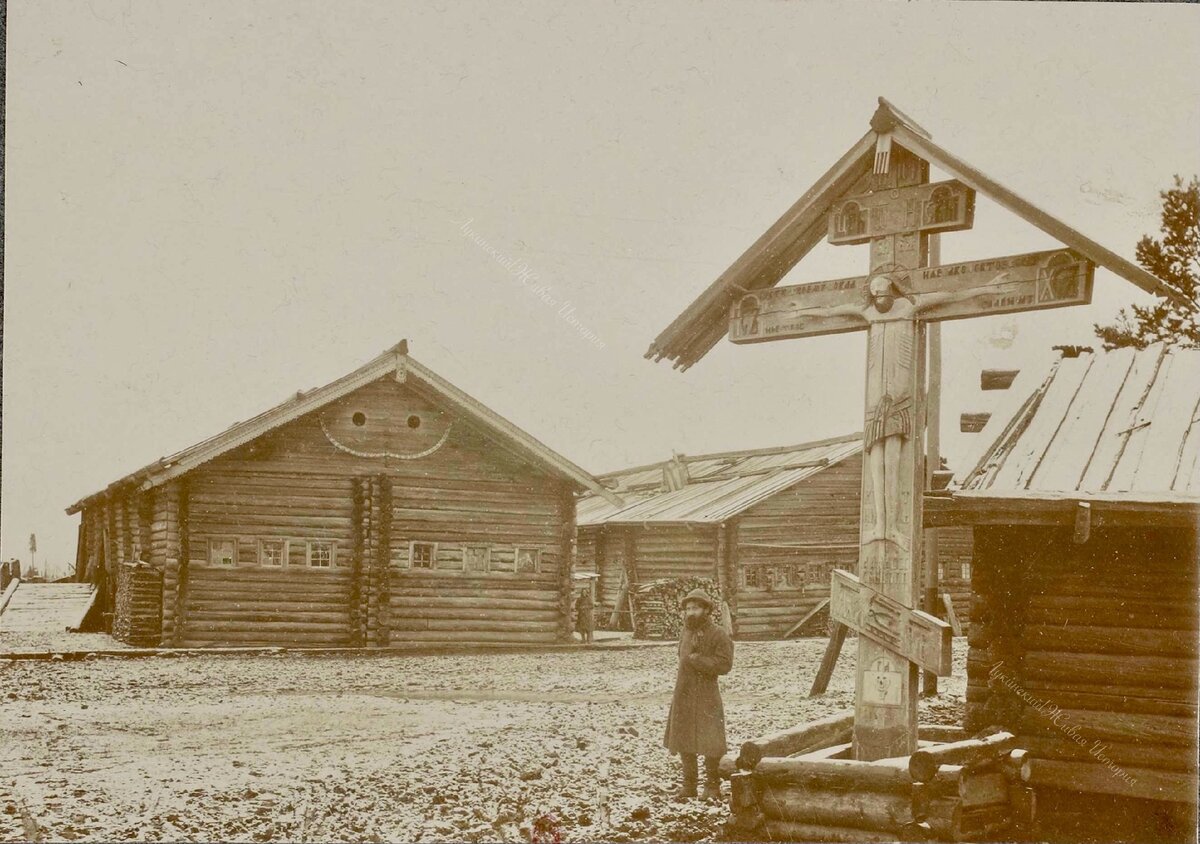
1085	502
385	507
769	525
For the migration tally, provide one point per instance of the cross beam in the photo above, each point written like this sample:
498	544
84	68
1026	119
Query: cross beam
1033	281
917	636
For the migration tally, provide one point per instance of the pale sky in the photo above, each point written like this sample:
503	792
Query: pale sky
212	205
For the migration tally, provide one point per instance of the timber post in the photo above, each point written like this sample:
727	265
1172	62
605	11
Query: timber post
184	552
566	527
382	578
357	547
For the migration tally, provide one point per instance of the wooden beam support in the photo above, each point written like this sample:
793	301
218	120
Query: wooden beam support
808	615
829	660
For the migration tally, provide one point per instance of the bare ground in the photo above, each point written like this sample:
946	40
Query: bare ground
410	748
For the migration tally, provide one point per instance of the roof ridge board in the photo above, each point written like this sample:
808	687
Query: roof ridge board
749	452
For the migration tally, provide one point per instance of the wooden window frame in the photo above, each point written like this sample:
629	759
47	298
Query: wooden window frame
308	553
487	557
412	556
283	559
537	559
212	542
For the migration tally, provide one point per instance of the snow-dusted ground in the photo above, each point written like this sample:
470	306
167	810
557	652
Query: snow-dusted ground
431	748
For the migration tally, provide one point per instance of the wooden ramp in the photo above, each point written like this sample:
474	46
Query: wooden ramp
47	607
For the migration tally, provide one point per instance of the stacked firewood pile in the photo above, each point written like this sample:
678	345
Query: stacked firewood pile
796	785
656	610
137	619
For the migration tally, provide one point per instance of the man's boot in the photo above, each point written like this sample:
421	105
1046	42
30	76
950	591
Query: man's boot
690	776
712	778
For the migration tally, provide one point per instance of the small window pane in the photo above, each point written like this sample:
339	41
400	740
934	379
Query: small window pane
272	552
222	552
422	555
477	557
320	554
527	560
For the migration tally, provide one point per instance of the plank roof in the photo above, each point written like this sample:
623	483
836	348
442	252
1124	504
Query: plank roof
718	486
396	363
1105	426
693	333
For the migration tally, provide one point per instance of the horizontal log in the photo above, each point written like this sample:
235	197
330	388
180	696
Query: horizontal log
402	623
248	616
472	637
1099	778
281	575
1069	694
924	763
1118	726
482	612
1132	641
1117	606
487	599
824	732
940	733
987	823
500	589
201	625
1142	754
982	789
1169	672
192	639
879	811
777	830
834	774
271	603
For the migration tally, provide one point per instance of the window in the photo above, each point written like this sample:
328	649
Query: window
966	571
422	554
753	576
272	552
527	560
222	552
321	553
477	557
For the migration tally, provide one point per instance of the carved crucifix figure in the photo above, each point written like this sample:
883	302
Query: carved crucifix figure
893	302
889	421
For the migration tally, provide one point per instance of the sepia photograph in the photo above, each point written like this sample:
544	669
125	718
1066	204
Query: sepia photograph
599	421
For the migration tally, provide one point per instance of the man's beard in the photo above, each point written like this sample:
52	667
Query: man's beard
694	622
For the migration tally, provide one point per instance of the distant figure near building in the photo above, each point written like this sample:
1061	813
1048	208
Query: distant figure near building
585	615
696	723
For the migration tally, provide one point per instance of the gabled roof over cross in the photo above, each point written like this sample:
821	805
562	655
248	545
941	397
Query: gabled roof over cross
695	331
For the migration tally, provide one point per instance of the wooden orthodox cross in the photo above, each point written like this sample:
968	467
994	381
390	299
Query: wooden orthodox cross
892	302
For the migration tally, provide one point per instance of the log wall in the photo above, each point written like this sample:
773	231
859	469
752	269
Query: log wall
1088	652
788	545
322	482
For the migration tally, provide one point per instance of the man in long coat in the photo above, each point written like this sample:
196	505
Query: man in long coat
696	723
